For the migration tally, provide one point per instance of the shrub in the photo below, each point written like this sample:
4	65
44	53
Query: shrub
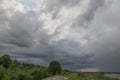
23	75
80	74
39	74
54	68
2	71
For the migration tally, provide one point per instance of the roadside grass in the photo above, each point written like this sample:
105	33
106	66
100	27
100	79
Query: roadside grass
86	76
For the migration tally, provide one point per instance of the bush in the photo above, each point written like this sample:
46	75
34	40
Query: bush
54	68
24	76
20	74
39	74
80	74
2	71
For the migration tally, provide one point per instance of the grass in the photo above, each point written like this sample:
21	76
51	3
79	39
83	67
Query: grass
86	76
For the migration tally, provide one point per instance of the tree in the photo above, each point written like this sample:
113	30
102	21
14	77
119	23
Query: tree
5	61
54	68
2	72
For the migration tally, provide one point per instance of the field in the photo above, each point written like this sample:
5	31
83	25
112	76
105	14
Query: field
87	76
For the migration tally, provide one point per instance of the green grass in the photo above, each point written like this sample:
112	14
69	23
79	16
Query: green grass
86	76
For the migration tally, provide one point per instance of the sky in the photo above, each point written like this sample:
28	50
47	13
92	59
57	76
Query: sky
80	34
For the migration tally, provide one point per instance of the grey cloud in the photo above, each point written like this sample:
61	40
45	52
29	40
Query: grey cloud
105	40
22	26
56	5
69	53
27	27
6	46
68	62
46	39
16	35
24	38
86	17
108	53
67	57
76	62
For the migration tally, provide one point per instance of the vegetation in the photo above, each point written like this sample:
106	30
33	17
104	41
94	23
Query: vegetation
55	68
14	70
87	76
5	61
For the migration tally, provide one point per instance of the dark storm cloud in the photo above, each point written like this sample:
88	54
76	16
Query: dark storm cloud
68	61
69	53
76	62
67	57
105	44
108	52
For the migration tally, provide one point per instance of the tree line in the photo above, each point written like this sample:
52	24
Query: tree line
14	70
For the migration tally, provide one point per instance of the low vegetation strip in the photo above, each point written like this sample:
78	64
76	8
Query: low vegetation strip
113	75
88	76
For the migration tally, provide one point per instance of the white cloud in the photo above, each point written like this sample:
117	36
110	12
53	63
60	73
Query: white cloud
11	7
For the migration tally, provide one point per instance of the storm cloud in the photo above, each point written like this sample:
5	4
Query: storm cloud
78	33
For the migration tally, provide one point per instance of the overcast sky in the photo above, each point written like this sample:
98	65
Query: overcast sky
80	34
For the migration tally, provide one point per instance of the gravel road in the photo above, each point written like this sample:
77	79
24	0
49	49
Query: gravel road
56	78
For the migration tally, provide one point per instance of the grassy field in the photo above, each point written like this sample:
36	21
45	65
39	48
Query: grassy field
86	76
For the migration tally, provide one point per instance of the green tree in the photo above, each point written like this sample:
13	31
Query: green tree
2	72
5	61
54	68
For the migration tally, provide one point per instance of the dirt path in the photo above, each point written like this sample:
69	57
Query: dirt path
56	78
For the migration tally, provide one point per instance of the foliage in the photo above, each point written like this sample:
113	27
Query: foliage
2	71
14	70
39	74
54	68
87	76
5	61
80	74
